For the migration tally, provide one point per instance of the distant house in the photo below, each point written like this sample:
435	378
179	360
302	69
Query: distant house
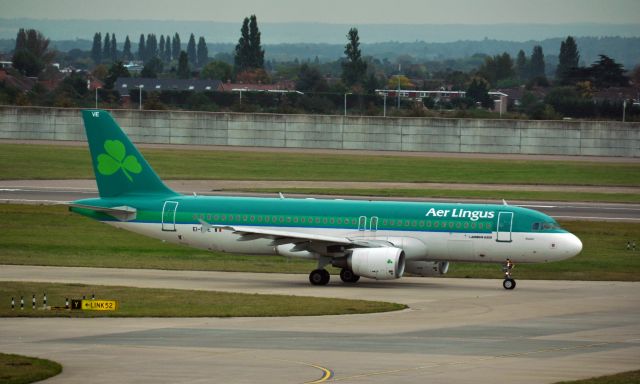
283	87
126	85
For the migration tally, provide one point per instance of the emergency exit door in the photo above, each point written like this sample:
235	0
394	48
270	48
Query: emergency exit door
169	215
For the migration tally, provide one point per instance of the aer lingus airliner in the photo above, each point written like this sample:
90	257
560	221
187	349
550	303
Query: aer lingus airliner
374	239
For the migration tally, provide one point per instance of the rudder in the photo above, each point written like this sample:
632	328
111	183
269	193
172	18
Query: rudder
119	167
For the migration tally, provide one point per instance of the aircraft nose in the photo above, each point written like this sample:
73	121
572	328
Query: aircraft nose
572	245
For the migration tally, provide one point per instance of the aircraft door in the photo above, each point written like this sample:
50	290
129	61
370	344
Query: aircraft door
169	215
505	224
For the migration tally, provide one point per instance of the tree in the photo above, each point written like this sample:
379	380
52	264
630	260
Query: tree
537	65
183	66
126	50
152	47
116	70
249	53
257	53
635	76
217	70
167	49
521	65
21	40
354	68
202	52
152	68
141	49
310	79
106	50
114	48
96	49
478	91
497	68
567	60
243	49
191	51
607	73
161	48
401	80
33	54
175	46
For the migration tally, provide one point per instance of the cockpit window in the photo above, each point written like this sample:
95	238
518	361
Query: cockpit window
545	226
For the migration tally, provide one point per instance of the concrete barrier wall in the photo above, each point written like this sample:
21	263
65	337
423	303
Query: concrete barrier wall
337	132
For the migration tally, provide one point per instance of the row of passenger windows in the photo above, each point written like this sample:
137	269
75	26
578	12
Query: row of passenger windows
347	221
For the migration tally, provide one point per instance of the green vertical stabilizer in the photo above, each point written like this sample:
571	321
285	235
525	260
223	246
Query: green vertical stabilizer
119	167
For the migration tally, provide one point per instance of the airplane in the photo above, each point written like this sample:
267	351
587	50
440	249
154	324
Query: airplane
374	239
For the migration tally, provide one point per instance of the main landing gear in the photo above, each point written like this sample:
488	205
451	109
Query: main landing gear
347	276
509	282
319	277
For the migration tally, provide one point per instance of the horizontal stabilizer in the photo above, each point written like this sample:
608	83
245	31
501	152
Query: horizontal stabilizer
122	213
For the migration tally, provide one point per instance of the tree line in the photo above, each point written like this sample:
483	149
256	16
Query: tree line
357	73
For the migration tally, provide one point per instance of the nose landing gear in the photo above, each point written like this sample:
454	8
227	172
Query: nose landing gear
509	282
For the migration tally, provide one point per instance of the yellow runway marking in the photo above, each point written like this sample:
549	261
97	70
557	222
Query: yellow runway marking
327	374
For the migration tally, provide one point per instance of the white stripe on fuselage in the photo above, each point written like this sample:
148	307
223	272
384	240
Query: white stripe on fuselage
431	246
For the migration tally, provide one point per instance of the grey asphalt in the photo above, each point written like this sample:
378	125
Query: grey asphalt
57	191
456	331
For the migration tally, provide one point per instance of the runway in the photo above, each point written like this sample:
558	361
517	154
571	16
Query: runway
58	191
456	331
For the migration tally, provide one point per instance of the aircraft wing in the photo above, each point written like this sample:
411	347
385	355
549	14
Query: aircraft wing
256	232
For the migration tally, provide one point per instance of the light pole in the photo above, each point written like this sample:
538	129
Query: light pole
384	109
140	98
399	67
345	102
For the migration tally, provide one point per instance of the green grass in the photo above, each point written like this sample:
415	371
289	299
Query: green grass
631	377
22	161
146	302
50	235
496	195
16	369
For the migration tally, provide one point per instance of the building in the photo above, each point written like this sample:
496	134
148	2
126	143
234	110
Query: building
126	85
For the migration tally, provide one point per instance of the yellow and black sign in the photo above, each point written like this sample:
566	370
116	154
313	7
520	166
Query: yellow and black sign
99	305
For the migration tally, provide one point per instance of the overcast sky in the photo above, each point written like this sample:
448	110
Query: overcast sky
335	11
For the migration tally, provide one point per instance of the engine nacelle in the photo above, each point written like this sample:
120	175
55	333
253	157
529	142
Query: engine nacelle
384	263
427	268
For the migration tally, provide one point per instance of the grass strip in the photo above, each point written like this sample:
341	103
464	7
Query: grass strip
631	377
17	369
50	235
25	161
148	302
496	195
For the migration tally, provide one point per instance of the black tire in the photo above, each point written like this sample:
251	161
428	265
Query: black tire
509	284
347	276
319	277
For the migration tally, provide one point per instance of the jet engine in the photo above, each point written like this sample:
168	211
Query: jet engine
427	268
383	263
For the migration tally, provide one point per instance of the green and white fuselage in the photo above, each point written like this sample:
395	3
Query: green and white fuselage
376	239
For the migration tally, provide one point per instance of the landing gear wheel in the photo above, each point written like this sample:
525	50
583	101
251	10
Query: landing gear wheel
509	284
319	277
347	276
